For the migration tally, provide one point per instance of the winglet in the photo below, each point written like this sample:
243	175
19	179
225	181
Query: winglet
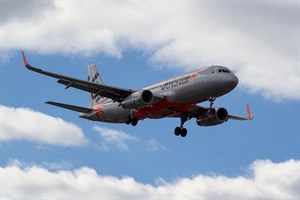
26	64
250	116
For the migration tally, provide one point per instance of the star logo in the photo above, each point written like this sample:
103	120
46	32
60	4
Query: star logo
194	75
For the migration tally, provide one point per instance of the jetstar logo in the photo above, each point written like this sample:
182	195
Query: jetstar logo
175	82
179	81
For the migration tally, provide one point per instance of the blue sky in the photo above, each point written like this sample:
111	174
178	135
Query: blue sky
41	140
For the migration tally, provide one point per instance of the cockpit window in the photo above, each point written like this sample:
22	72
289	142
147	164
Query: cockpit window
221	70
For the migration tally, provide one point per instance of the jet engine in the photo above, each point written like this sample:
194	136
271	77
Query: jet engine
138	100
213	117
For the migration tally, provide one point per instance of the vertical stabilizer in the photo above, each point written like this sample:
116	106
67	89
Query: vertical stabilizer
94	76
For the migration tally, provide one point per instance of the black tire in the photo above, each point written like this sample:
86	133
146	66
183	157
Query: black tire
134	121
183	132
128	119
177	131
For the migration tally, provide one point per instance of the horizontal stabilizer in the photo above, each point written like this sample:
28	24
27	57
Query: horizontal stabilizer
71	107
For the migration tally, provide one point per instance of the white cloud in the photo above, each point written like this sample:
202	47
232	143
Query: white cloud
153	145
265	180
29	125
112	138
259	40
62	165
24	10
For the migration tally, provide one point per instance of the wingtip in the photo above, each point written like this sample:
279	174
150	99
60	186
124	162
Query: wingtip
250	115
26	64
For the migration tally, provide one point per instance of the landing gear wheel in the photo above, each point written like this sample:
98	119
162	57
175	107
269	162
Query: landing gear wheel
128	119
134	121
183	132
177	131
180	131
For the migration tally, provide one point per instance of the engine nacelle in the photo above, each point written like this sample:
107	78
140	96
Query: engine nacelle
213	117
138	100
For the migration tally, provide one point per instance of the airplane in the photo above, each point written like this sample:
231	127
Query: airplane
177	97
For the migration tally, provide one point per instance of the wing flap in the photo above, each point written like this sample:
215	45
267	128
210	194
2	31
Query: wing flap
77	85
70	107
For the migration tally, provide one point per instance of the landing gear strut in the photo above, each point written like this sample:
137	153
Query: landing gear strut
211	101
181	130
131	120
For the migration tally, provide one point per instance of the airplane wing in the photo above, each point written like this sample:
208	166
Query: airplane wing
249	115
114	93
198	111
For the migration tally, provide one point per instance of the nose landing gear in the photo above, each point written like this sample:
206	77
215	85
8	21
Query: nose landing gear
211	101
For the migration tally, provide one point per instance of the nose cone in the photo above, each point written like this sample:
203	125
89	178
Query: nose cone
230	82
234	81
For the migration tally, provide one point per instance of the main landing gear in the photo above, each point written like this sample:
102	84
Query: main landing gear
181	130
131	120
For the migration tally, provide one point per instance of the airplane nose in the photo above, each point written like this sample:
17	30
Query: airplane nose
232	81
235	81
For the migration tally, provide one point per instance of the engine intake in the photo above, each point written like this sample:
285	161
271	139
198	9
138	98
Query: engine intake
213	117
138	100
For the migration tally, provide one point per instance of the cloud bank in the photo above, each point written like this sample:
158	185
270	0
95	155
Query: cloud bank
265	180
29	125
258	40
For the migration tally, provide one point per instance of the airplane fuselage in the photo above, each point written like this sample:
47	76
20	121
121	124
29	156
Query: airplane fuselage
179	95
